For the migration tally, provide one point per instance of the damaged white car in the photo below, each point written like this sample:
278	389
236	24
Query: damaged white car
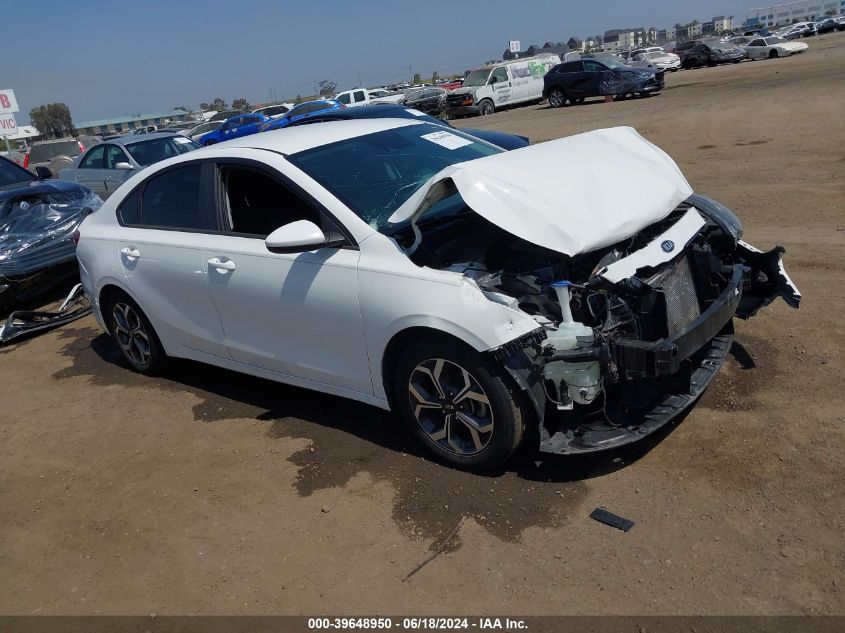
574	292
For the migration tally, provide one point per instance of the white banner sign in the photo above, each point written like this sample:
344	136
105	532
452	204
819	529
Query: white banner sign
8	125
8	103
513	46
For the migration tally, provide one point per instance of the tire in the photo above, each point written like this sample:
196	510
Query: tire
451	426
58	163
773	54
486	107
207	143
131	330
557	98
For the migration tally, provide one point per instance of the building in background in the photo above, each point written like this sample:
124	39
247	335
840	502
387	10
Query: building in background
792	12
130	122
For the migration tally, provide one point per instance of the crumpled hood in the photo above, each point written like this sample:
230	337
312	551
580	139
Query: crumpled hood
572	195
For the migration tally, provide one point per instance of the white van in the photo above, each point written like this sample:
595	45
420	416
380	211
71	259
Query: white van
509	83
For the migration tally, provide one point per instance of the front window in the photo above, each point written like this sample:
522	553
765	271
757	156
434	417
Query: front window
157	149
477	77
388	167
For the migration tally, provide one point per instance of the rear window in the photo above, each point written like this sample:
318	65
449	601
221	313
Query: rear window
45	152
157	149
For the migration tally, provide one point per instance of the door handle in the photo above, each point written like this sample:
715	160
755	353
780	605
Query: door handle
222	266
130	252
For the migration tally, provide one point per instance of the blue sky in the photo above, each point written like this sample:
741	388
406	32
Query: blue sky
108	58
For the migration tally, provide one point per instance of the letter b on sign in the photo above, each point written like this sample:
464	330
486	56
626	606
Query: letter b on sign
4	101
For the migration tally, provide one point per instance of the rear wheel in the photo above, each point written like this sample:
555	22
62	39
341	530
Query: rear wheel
486	108
557	98
459	404
133	334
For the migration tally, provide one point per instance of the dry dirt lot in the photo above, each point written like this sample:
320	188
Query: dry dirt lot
208	492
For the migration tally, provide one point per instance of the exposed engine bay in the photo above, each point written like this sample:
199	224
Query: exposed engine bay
629	334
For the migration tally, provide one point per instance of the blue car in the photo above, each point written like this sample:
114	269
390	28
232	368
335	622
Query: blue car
303	110
389	110
235	127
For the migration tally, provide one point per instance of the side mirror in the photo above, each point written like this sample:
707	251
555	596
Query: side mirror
43	173
298	237
123	165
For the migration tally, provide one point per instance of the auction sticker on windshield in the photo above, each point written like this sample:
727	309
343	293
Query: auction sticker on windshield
447	140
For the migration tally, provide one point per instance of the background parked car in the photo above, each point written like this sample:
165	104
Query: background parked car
655	59
104	167
393	111
300	111
203	128
237	126
274	111
57	154
772	47
711	53
828	25
428	100
577	80
800	29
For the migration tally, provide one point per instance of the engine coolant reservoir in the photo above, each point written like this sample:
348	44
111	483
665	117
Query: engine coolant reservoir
576	382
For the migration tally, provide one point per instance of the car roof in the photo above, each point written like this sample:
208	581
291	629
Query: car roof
131	139
300	138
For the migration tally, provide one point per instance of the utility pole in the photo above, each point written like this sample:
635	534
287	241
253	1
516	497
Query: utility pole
410	75
359	81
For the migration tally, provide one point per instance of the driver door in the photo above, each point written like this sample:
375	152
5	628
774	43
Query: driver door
296	314
500	83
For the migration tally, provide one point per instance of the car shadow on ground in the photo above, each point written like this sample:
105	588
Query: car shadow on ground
228	394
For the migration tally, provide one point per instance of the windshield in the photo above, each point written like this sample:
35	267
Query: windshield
374	174
152	151
11	174
477	77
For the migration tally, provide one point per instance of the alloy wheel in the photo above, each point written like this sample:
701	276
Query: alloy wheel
556	98
131	335
450	406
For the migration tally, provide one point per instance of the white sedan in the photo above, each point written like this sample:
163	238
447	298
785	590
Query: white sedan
574	294
772	47
656	59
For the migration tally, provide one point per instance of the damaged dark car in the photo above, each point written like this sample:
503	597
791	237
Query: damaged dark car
38	217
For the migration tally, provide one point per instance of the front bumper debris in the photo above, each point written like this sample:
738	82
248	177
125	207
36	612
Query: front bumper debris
23	323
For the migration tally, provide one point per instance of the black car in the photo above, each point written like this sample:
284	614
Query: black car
38	217
827	26
428	100
711	54
575	81
391	111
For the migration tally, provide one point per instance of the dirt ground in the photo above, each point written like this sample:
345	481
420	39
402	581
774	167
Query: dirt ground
209	492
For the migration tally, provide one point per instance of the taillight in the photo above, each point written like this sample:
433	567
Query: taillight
81	147
75	237
26	160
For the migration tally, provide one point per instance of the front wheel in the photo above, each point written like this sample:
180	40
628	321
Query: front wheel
460	405
557	98
773	54
486	108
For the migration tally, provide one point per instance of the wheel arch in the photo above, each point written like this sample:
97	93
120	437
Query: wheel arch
400	341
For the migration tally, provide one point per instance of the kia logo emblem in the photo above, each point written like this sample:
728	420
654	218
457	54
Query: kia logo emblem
668	246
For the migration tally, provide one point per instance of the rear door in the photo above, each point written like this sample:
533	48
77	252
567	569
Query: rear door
165	223
591	81
91	171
